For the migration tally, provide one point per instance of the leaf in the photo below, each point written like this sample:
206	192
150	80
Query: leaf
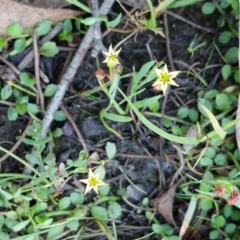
99	212
225	37
77	198
60	116
49	49
116	117
43	27
28	16
226	71
115	22
208	8
80	5
50	90
237	127
222	101
26	80
64	203
6	92
219	131
111	150
164	204
20	45
146	102
12	114
3	42
21	225
14	30
231	56
154	128
114	210
188	216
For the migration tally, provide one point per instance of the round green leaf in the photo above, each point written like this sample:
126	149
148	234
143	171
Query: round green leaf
50	90
230	228
114	210
21	108
64	203
157	228
182	112
236	76
214	234
176	130
26	80
3	42
67	25
206	162
208	8
226	71
6	92
59	116
229	130
32	108
220	159
222	101
12	114
210	152
99	212
43	27
14	30
227	210
77	198
49	49
205	204
218	221
20	45
237	154
193	114
206	103
73	225
110	150
211	94
225	37
231	56
154	107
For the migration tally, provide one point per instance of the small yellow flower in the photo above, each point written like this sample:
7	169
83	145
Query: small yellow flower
92	182
111	57
164	77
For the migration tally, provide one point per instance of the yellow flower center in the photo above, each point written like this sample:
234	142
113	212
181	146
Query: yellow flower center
164	77
93	181
112	57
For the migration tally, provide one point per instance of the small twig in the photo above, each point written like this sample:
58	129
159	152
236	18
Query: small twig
17	144
28	58
166	32
97	43
180	155
71	71
37	74
10	65
80	137
190	23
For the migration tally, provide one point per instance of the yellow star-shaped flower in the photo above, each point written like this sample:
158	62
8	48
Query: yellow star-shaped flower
93	182
111	57
164	77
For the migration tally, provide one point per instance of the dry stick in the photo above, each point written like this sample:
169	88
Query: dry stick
36	66
71	71
97	43
17	144
28	58
80	137
190	23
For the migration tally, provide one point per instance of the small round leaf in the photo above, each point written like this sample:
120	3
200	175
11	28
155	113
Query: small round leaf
208	8
231	56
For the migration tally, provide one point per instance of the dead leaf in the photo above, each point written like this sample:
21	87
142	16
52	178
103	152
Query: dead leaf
164	204
27	16
238	124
